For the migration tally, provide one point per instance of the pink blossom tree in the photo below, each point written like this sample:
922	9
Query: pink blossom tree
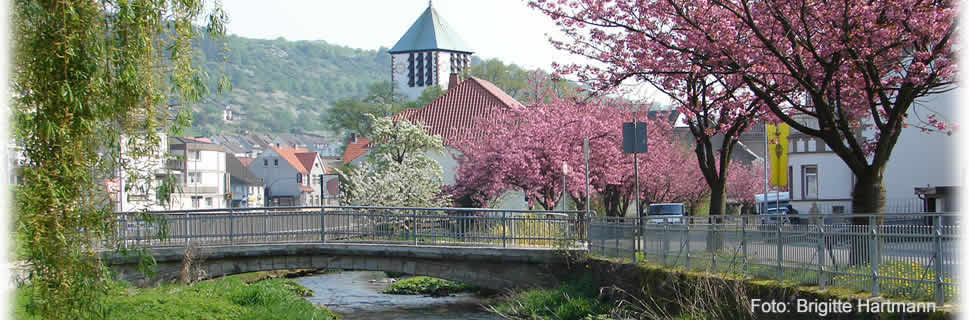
828	69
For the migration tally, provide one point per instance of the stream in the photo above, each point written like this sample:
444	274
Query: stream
356	295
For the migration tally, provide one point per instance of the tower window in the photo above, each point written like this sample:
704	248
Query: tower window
430	69
420	69
410	70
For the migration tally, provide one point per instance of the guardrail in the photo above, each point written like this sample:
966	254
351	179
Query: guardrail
911	256
350	224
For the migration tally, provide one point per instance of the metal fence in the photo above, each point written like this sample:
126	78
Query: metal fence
910	256
391	225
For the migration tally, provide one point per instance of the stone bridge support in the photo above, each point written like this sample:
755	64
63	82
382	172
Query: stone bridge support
492	268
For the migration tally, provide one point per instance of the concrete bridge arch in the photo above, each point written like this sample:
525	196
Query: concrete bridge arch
492	268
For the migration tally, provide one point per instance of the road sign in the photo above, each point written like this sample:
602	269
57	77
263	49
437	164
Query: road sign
631	134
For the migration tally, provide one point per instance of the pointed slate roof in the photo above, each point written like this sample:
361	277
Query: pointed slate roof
430	32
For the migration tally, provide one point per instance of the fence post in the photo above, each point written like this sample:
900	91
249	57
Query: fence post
743	241
504	230
780	249
716	245
873	254
687	237
939	289
265	224
322	224
642	237
666	242
188	228
230	225
820	251
414	229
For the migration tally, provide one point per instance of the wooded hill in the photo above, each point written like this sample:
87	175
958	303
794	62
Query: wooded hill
281	86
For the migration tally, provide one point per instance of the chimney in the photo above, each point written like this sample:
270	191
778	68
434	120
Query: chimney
452	81
353	138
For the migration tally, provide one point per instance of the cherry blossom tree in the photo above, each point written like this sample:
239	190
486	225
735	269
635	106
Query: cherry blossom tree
744	181
831	70
526	150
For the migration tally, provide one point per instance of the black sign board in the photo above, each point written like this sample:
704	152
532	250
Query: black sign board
628	133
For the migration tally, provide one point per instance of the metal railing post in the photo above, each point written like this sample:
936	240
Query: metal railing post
743	241
231	226
716	245
820	252
939	289
687	237
414	230
780	250
666	242
265	224
873	254
322	224
188	228
504	230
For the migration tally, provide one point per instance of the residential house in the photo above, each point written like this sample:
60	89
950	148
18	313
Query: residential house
357	147
200	169
134	183
922	164
312	162
247	189
288	181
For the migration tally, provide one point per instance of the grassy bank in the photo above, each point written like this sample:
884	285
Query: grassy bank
223	298
428	285
610	289
577	298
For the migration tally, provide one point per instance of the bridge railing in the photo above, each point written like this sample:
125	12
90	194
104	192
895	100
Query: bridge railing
912	256
351	224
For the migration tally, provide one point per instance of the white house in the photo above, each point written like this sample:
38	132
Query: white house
919	160
201	174
287	181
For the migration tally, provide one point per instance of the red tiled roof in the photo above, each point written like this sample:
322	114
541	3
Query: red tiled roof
458	114
355	149
307	159
245	160
290	155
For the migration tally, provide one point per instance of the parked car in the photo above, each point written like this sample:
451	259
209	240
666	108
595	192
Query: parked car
773	216
663	213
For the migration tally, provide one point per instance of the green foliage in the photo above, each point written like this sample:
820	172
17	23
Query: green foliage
428	285
226	298
85	74
898	289
573	299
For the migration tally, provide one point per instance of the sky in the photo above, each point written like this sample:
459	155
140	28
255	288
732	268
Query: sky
505	29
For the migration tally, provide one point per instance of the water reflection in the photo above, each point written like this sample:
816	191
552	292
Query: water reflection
356	295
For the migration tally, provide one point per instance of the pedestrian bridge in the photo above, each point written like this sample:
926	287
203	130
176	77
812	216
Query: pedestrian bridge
494	249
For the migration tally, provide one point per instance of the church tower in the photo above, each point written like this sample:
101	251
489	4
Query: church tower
427	55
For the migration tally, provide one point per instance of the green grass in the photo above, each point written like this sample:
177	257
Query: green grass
428	285
573	299
224	298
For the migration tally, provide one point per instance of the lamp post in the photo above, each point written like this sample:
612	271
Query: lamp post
565	172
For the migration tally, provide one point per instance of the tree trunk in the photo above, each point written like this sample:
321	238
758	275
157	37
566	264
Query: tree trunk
868	197
718	205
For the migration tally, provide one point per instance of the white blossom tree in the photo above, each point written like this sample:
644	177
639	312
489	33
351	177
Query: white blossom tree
398	171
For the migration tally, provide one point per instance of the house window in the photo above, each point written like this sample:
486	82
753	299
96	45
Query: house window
809	182
299	178
265	162
196	155
194	177
208	202
195	201
275	162
838	209
790	179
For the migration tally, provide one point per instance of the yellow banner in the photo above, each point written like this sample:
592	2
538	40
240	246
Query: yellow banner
777	148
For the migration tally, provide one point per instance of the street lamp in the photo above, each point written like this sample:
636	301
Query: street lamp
565	172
